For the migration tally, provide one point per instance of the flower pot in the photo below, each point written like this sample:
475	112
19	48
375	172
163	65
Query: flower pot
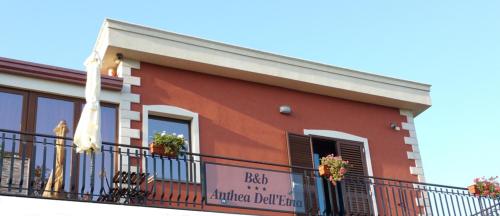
160	150
473	189
157	150
170	154
324	170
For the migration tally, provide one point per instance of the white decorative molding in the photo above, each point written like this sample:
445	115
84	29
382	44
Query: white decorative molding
132	80
180	51
176	113
54	87
346	136
127	96
412	140
126	115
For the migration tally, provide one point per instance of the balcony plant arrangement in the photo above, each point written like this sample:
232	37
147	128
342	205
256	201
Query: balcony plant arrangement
485	187
333	168
169	145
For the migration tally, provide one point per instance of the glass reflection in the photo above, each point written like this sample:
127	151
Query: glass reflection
168	169
11	108
102	159
49	113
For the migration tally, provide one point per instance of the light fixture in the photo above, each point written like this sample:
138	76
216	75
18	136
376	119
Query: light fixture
119	58
285	109
395	127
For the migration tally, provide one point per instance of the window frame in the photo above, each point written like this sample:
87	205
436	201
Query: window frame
30	110
349	138
173	112
25	109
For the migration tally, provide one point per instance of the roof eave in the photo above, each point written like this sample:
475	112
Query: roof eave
174	50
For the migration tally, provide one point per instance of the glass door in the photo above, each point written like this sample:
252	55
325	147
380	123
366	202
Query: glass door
12	105
104	169
51	164
49	113
327	193
12	120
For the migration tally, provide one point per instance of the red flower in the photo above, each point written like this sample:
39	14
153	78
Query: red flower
343	170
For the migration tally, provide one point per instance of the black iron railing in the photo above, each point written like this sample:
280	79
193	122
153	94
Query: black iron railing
397	197
44	166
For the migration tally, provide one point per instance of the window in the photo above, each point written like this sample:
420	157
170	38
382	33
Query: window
34	112
173	169
11	116
306	150
170	126
159	118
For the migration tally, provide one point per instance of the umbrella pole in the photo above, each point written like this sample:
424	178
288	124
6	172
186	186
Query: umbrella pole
92	175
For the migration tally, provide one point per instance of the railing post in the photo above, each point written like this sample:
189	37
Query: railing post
203	182
32	169
11	163
82	190
23	158
481	208
2	156
330	197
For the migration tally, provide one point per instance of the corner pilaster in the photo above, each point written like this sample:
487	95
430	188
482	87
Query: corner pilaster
412	140
126	114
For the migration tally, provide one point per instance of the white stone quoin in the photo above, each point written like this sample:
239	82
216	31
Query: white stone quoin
125	114
412	140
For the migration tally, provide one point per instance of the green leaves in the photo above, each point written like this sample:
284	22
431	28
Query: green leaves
172	143
338	167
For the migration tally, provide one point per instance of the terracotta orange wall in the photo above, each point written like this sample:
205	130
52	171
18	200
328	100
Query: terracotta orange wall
241	119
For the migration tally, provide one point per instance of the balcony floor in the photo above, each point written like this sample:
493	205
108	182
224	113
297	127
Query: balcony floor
23	206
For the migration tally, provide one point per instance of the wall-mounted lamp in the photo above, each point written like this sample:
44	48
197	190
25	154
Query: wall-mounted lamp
395	127
285	109
119	58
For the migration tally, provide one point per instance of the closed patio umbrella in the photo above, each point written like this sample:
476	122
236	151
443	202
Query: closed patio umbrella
57	174
87	134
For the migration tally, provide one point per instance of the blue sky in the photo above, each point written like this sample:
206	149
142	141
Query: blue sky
453	45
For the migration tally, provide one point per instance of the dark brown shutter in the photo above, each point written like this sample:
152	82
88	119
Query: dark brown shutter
300	154
300	150
357	199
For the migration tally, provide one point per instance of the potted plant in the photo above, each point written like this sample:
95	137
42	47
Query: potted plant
473	189
169	145
324	170
333	168
485	187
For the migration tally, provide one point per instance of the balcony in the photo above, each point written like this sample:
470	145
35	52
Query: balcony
47	167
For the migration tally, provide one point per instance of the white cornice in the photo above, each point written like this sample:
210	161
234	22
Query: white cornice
174	50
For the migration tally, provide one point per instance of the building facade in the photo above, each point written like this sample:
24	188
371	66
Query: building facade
241	110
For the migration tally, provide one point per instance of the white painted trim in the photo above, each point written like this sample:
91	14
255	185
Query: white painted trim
126	115
175	113
412	140
174	50
346	136
172	112
53	87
